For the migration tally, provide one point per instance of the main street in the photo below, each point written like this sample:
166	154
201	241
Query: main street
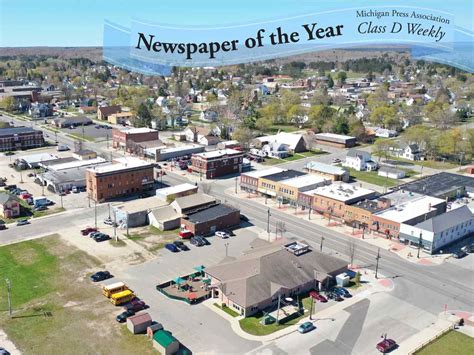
441	284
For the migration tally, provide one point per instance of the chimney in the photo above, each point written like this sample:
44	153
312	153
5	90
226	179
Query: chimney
429	207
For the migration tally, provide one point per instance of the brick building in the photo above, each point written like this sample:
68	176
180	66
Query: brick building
128	137
211	219
335	140
123	177
217	163
269	185
16	138
249	180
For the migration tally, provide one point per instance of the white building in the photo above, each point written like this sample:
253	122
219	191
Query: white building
440	230
391	173
359	160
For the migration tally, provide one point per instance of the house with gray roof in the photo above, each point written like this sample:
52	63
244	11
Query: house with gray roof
438	232
254	281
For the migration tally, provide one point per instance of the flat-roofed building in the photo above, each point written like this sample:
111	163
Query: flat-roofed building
270	184
217	163
18	138
249	180
335	140
290	189
134	213
211	219
411	212
439	231
126	138
176	191
126	176
332	172
331	200
121	118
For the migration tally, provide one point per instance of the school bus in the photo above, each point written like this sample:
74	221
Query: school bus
109	290
122	297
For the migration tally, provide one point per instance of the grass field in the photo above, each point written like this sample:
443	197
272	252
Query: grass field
296	156
253	326
154	239
57	310
227	310
440	165
452	343
372	177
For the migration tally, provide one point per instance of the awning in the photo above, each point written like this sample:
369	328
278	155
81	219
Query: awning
199	268
206	281
179	280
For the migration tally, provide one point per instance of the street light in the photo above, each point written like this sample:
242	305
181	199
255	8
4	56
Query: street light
377	264
268	222
226	249
321	245
420	244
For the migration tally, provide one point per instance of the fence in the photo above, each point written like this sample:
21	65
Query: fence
441	333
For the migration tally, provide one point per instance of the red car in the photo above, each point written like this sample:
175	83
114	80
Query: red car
185	234
386	345
88	230
25	196
136	305
318	297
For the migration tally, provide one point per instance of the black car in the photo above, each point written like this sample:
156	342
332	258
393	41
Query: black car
459	254
122	317
198	241
334	296
100	276
244	218
102	238
180	245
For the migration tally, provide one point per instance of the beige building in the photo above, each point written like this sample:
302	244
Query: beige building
120	118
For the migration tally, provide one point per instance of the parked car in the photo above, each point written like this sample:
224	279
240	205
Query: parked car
185	234
108	221
197	241
40	208
10	187
334	296
135	305
386	345
122	317
22	222
468	248
75	190
244	218
101	237
459	254
4	351
88	230
171	247
93	234
336	160
2	226
100	276
180	245
222	234
341	291
306	327
317	296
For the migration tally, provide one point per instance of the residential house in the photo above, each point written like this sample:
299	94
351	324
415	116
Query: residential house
208	116
209	140
359	160
292	142
9	205
40	109
407	151
195	133
103	113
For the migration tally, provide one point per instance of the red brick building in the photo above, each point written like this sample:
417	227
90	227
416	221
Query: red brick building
15	138
211	219
128	137
103	113
123	177
217	163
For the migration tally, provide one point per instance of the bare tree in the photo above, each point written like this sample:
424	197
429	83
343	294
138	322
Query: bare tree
351	249
280	227
206	187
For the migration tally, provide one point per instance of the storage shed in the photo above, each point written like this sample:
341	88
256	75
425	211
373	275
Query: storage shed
165	343
139	323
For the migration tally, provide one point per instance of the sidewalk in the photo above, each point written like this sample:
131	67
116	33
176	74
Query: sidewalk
372	286
404	251
444	323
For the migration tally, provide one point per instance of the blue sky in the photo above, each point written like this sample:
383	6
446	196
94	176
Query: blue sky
76	23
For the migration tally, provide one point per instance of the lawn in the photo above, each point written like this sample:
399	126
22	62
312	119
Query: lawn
372	177
154	239
56	309
81	137
227	310
451	343
284	128
253	326
434	164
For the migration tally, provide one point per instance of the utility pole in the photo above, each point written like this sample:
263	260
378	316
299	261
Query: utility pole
309	213
268	223
420	243
236	180
226	249
61	197
56	136
21	175
377	264
107	139
109	209
115	226
321	245
9	289
127	225
95	213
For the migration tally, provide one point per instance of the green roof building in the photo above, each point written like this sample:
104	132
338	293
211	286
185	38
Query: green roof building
165	343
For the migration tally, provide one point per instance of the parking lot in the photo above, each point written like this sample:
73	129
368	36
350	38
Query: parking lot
90	132
204	328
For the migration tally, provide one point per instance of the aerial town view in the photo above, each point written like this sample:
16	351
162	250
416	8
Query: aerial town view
320	203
